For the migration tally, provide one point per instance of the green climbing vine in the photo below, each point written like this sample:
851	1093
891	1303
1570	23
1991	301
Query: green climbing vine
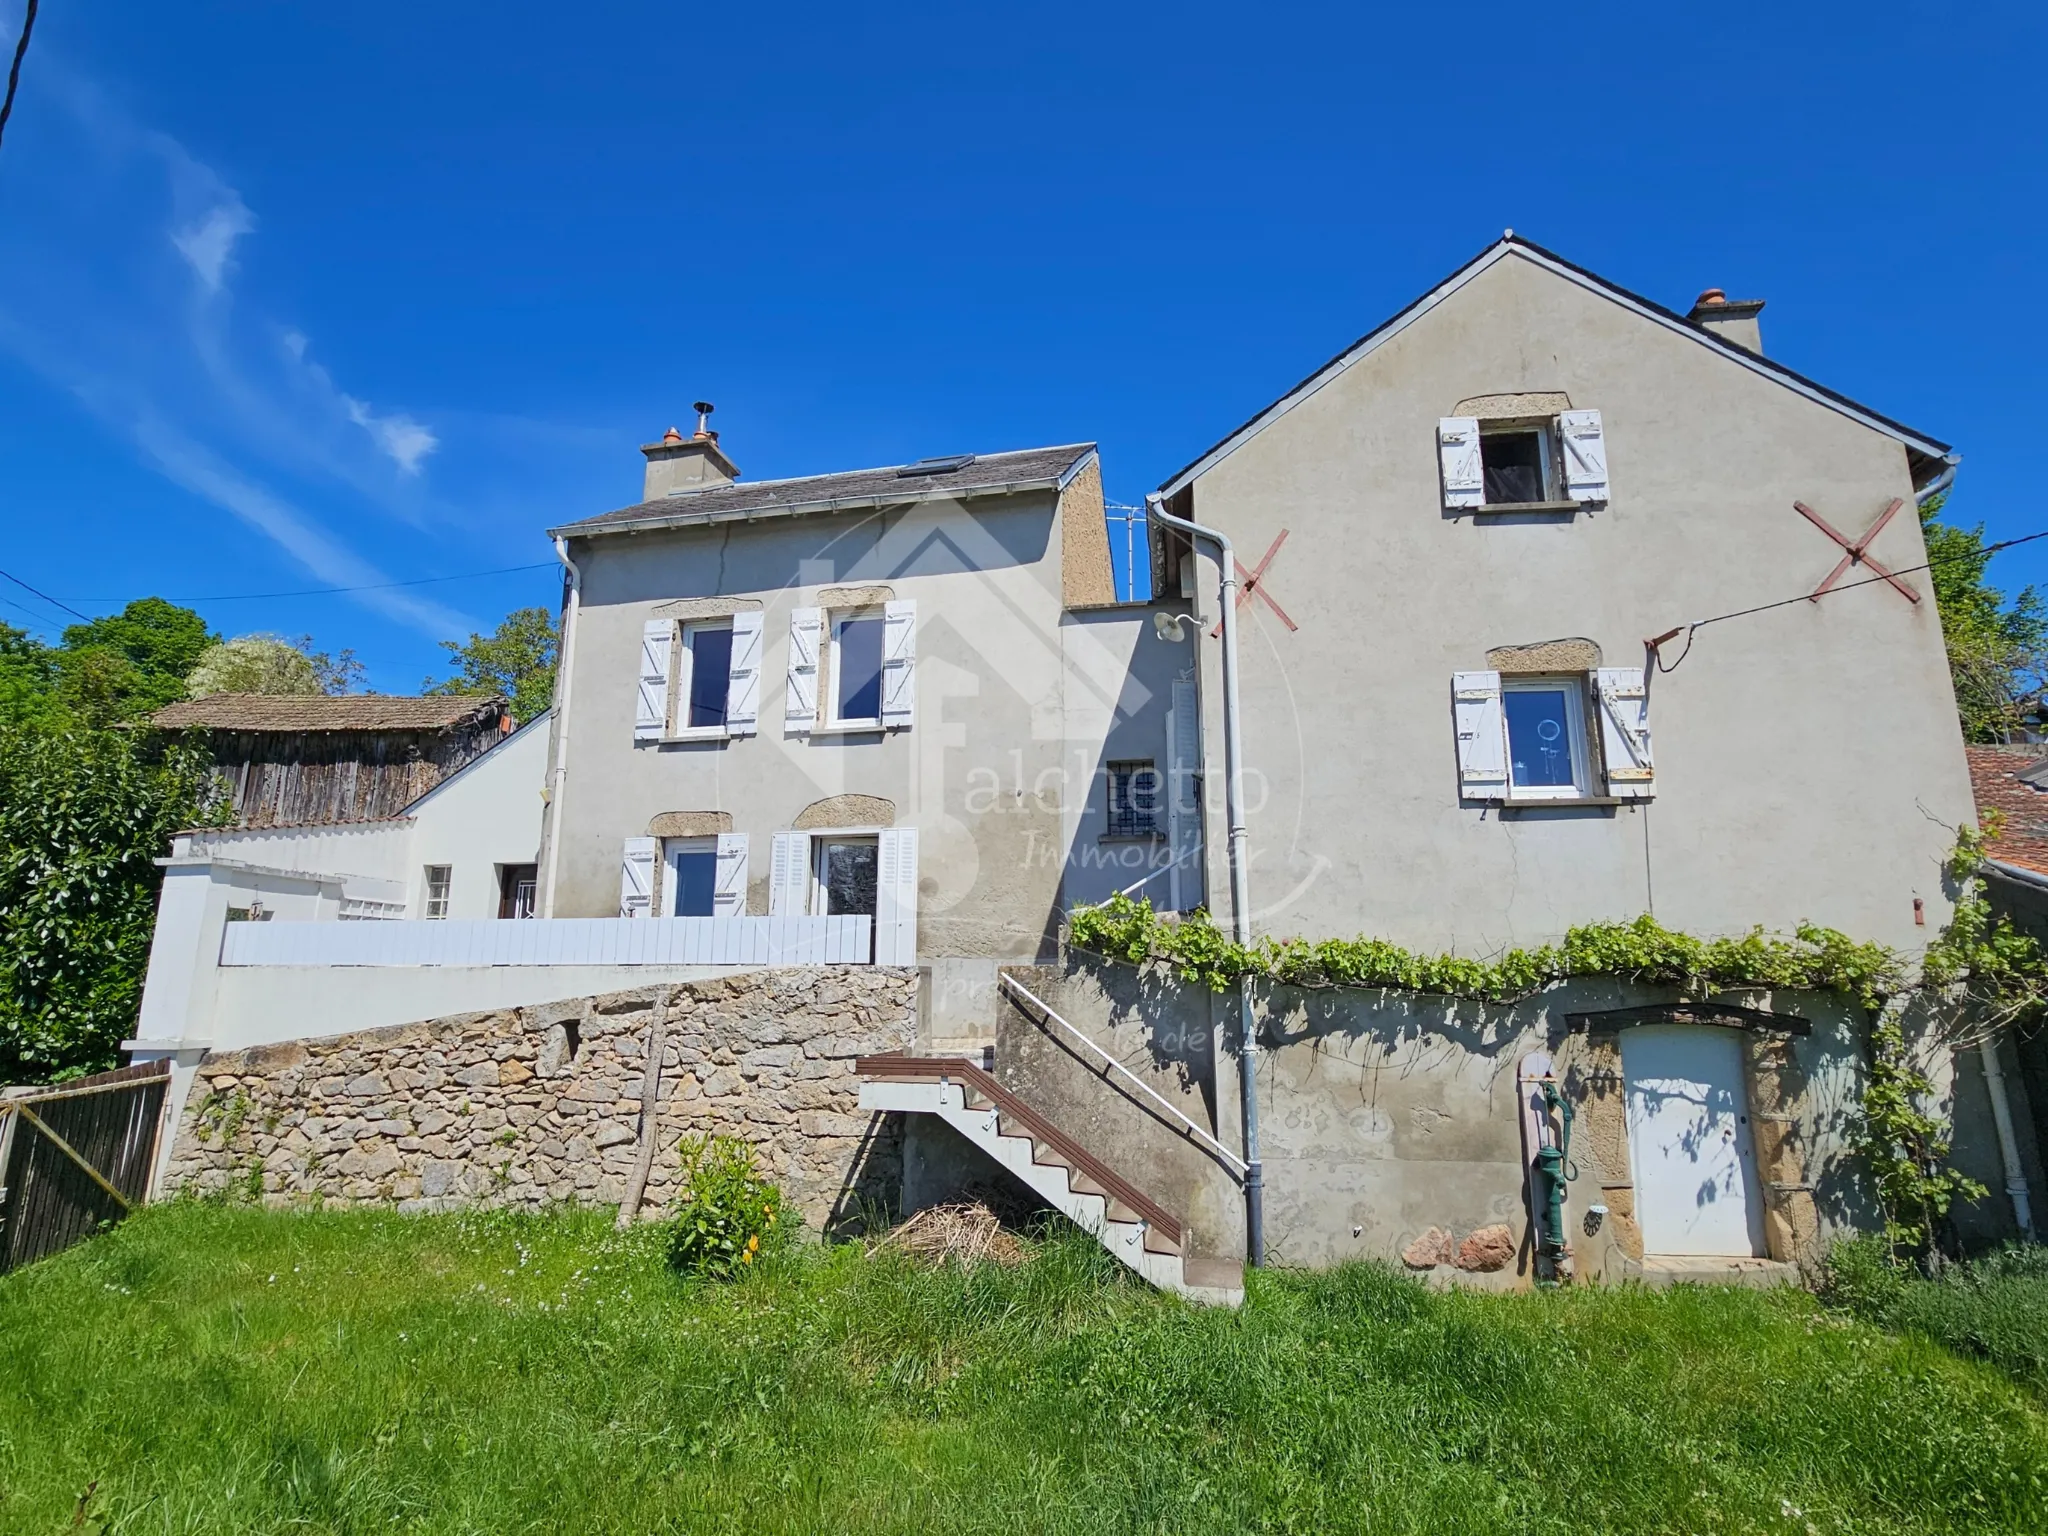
1979	976
1200	953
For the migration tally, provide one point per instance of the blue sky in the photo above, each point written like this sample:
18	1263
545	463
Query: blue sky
298	296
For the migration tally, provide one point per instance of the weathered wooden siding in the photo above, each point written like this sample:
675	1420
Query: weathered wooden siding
282	778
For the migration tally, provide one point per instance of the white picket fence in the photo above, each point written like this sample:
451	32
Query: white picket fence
753	941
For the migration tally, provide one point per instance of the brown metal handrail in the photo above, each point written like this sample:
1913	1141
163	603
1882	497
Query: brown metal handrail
1010	1107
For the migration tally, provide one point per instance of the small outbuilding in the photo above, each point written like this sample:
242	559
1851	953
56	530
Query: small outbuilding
316	759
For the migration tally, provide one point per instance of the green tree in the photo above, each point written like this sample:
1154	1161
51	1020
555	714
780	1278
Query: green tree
130	664
271	664
517	660
84	813
28	676
1997	650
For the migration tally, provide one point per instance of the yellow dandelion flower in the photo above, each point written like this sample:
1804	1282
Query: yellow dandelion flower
747	1257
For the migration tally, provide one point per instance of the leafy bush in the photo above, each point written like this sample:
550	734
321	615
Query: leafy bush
1995	1308
84	814
728	1216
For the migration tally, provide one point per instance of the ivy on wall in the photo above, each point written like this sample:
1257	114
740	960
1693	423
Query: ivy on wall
1977	977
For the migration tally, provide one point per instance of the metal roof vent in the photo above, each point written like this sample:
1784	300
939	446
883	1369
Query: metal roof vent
944	466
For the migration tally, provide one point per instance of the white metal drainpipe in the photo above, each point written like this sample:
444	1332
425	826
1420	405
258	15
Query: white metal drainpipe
564	670
1240	877
2008	1144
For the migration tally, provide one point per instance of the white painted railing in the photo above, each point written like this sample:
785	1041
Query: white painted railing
558	941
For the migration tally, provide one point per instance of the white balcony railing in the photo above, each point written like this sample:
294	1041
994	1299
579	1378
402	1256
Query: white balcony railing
753	941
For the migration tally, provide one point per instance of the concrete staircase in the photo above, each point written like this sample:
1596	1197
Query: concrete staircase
1131	1226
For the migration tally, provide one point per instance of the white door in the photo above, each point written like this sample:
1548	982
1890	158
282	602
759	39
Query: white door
1689	1140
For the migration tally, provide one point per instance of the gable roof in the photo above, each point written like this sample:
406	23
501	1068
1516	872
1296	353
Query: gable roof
1527	250
294	712
988	474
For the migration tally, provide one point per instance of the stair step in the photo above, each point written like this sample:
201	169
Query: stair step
1157	1241
1118	1211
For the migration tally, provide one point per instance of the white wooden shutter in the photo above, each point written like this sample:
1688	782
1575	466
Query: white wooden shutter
896	897
899	663
800	712
729	883
1184	797
636	878
1482	735
789	875
1624	705
1585	456
657	658
1457	447
743	684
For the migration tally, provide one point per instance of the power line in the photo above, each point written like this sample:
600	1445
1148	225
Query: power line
375	586
28	25
46	597
1697	625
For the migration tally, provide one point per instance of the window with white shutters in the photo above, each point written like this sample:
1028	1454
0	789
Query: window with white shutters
896	897
657	661
729	891
1585	456
636	877
743	684
800	706
899	664
1464	473
1481	734
789	875
1623	698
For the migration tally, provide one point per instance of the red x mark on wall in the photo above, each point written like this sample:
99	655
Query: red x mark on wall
1857	553
1252	583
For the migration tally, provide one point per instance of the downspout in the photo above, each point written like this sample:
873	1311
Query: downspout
2008	1144
1240	878
1940	482
558	770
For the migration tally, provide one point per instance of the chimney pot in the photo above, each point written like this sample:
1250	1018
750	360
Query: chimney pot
677	464
1730	319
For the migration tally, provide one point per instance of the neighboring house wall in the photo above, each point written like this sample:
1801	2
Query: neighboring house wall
1808	761
481	820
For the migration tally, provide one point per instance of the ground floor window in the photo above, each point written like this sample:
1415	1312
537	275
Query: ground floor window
1546	722
691	883
844	876
440	880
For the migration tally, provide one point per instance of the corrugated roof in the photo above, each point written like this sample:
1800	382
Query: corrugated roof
987	474
2023	838
323	712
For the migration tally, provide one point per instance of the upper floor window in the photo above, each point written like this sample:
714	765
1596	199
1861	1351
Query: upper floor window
863	659
440	881
857	669
1558	461
699	679
1570	736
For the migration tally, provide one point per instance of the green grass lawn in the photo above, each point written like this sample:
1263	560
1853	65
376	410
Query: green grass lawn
226	1370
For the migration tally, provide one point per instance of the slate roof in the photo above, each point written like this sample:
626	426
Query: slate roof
1994	778
989	474
324	712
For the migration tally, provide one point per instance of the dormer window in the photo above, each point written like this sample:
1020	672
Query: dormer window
1495	465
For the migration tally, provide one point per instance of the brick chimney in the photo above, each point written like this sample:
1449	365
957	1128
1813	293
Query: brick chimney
679	464
1730	319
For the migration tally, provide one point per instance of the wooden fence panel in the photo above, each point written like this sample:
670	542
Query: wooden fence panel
47	1201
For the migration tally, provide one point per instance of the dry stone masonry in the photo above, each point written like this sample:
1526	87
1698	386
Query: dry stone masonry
531	1105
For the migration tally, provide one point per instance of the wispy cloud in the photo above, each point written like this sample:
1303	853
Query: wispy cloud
213	394
209	244
398	435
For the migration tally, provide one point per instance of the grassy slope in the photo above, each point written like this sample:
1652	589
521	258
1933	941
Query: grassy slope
231	1370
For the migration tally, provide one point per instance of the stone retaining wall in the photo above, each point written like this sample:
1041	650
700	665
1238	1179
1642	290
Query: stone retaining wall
538	1104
